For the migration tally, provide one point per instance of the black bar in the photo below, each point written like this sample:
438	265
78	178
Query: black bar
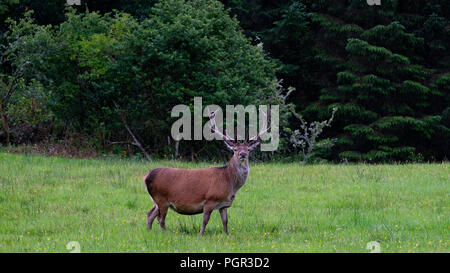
227	262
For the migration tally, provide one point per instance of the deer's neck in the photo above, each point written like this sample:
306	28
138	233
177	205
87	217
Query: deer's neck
239	172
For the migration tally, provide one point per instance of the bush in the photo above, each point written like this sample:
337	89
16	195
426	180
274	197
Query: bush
99	66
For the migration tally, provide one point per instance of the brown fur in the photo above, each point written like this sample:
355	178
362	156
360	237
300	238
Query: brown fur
199	190
150	176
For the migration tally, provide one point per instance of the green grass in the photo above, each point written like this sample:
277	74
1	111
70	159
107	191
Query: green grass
45	202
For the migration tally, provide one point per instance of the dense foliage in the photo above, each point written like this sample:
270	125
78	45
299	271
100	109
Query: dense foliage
94	68
104	73
387	69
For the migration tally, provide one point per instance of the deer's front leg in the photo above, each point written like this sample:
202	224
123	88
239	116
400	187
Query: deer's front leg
224	216
207	209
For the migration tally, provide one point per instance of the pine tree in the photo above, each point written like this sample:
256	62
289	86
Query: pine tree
385	67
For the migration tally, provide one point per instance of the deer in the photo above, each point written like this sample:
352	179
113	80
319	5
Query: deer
195	191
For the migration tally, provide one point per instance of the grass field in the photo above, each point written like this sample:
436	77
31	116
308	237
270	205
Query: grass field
46	202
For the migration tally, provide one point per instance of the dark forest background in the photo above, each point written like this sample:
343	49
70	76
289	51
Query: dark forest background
81	78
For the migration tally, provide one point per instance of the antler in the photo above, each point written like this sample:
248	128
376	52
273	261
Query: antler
212	118
263	131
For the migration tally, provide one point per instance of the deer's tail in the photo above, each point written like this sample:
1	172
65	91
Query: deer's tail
148	179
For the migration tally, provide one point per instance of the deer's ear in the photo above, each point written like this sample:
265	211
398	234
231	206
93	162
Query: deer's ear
229	144
253	145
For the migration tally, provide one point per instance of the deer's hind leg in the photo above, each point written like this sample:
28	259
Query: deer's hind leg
151	215
162	212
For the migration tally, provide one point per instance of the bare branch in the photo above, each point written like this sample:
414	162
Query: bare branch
307	140
11	88
119	142
135	140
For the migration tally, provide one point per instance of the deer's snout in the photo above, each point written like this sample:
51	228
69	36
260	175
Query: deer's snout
243	154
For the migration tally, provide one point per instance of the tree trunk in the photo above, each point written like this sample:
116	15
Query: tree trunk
192	153
5	124
177	145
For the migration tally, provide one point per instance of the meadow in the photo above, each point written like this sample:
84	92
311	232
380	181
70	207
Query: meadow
46	202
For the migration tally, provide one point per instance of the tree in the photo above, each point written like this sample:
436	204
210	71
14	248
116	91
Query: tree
384	66
28	46
182	50
384	101
307	138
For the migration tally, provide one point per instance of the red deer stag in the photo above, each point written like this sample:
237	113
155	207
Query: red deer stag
201	190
